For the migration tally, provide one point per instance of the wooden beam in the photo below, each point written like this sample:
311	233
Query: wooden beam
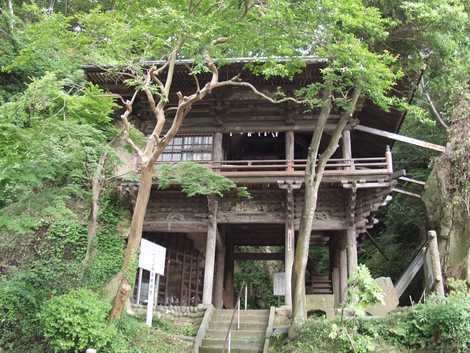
347	147
217	148
229	299
290	150
259	256
219	275
419	182
351	246
397	137
404	192
289	244
410	272
343	266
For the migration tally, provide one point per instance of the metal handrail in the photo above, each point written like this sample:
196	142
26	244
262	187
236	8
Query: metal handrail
236	310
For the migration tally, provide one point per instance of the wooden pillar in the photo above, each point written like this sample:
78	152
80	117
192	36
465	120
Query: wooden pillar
219	274
289	245
217	148
347	148
435	263
343	267
290	150
334	261
229	274
210	252
351	241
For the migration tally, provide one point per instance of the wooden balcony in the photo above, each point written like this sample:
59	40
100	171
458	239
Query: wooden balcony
364	170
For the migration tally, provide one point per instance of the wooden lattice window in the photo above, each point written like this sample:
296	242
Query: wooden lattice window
188	148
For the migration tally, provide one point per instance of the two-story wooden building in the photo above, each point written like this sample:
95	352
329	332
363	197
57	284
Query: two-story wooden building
262	146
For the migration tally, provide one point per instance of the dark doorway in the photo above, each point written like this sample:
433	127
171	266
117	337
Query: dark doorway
255	146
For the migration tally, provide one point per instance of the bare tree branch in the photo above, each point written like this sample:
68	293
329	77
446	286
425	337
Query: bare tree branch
261	94
128	104
198	86
434	110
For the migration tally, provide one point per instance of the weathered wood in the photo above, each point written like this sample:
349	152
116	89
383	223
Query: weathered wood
258	256
201	332
217	147
397	137
343	267
290	150
229	275
411	271
334	261
404	192
351	250
219	275
289	244
414	181
347	148
436	263
210	251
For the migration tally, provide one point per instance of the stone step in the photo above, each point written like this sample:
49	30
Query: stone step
219	333
251	315
238	348
244	325
236	342
254	312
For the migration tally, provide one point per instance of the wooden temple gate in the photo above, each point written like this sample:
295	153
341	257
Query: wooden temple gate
263	147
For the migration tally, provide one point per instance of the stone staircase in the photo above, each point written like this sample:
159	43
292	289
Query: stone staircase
249	338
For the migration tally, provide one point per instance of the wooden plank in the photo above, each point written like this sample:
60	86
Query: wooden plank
401	138
419	182
404	192
410	273
267	256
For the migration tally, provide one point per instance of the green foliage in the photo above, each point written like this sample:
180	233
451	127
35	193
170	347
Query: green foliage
195	179
257	276
140	338
76	321
51	138
362	290
19	303
441	324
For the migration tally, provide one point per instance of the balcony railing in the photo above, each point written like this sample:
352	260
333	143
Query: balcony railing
283	168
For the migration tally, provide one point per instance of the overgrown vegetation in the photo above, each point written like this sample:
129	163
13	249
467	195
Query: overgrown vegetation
441	324
54	127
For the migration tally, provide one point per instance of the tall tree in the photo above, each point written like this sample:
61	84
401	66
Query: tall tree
349	34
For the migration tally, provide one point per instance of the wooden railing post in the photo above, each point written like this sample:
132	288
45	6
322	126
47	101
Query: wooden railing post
389	160
217	151
290	151
347	149
435	263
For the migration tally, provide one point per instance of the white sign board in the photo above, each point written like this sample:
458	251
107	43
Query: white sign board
152	257
279	283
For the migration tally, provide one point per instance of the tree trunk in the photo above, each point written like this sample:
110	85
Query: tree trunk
96	188
133	241
308	212
313	178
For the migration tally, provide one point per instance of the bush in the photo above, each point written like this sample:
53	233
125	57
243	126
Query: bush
76	321
442	323
19	304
